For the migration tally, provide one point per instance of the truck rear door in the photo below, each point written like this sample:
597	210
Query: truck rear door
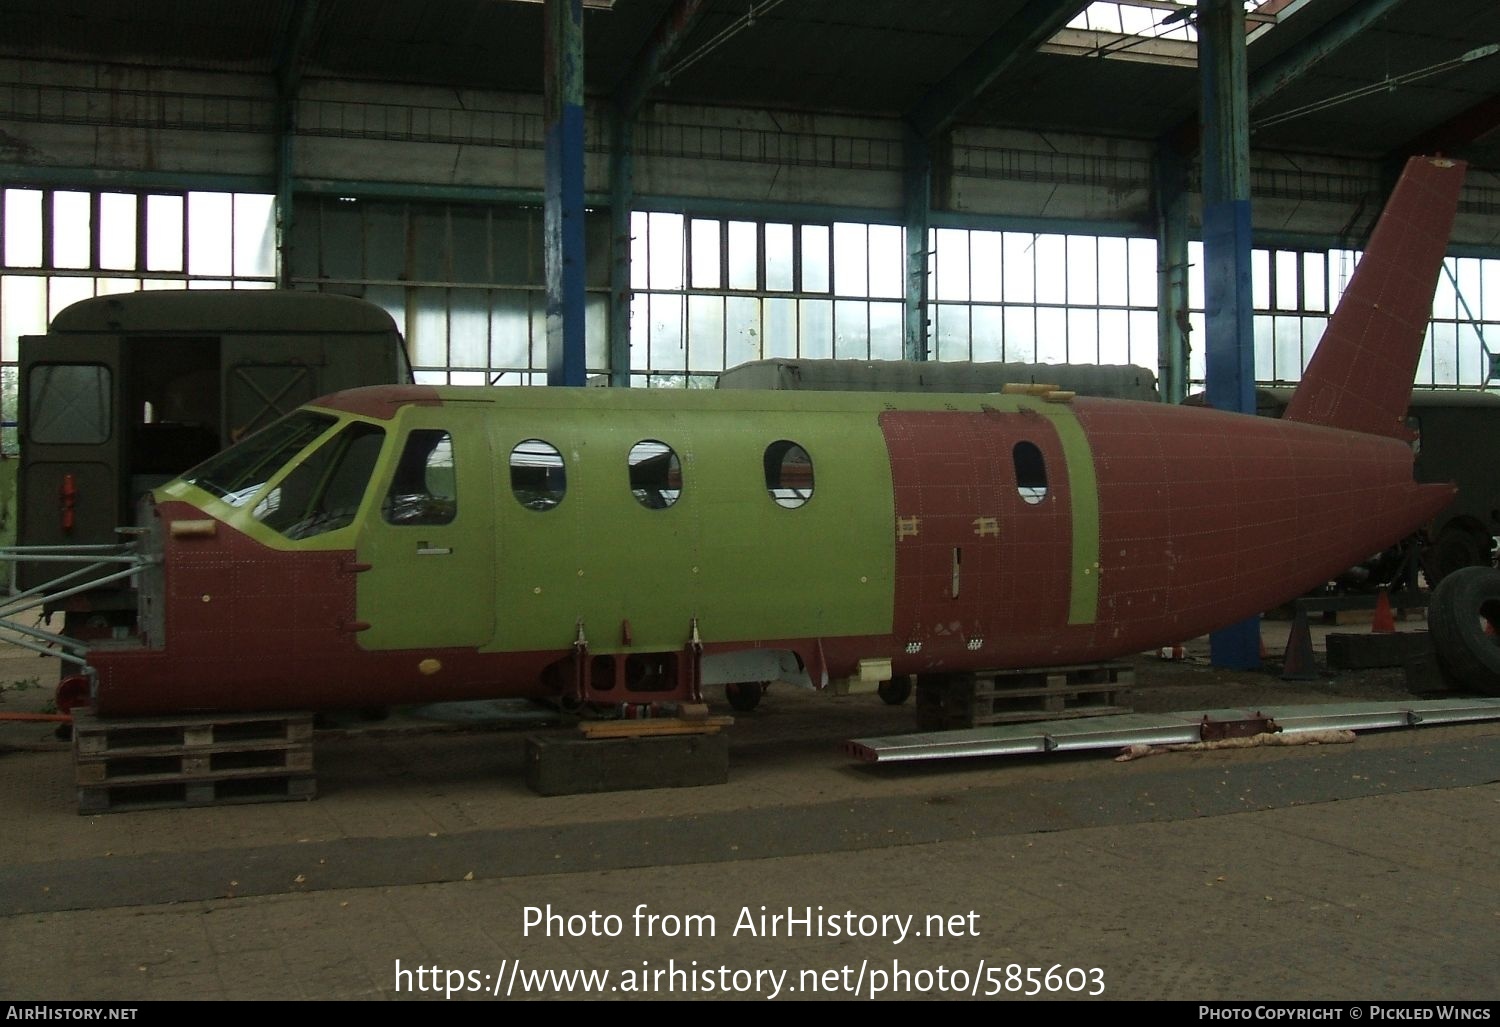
71	431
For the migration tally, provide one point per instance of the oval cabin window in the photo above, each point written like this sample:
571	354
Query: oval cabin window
1031	472
537	475
655	474
789	474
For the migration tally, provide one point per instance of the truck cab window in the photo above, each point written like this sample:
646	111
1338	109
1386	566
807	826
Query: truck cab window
323	492
70	403
424	489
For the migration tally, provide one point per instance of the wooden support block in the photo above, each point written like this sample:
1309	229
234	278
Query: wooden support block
567	765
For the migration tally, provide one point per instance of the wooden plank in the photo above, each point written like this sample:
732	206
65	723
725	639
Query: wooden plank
123	798
191	767
651	728
166	762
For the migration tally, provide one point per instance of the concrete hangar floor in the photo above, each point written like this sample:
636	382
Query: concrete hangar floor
425	868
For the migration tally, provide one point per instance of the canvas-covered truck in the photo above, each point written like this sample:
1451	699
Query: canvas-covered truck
126	392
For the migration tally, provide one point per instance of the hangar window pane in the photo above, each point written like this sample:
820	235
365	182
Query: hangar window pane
986	259
789	474
887	323
851	330
887	261
72	229
255	235
951	261
1113	273
779	259
742	330
23	228
815	274
538	478
210	220
815	329
665	240
164	242
1315	281
63	292
704	241
655	474
744	255
1081	260
851	255
117	231
424	489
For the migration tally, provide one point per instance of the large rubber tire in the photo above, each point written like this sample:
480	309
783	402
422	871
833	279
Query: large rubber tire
744	696
1458	546
895	691
1463	603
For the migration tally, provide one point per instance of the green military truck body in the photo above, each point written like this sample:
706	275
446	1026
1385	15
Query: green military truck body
126	392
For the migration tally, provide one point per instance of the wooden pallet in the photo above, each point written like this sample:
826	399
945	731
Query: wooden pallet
153	763
1017	696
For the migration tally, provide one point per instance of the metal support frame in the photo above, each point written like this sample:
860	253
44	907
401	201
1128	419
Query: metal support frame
621	196
1302	58
286	130
291	55
1229	345
1170	188
563	214
1019	37
629	96
90	568
917	208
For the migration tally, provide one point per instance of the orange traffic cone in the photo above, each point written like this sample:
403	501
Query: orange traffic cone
1384	620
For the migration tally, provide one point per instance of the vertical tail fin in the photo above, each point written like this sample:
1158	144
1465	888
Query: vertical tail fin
1360	376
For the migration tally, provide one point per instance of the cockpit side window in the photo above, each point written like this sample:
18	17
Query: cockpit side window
424	489
239	473
323	492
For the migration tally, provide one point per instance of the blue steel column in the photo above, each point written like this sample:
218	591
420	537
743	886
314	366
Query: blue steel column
1170	173
917	185
1229	343
563	201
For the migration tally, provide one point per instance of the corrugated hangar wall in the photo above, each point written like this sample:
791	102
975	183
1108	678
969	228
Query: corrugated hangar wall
425	200
166	122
